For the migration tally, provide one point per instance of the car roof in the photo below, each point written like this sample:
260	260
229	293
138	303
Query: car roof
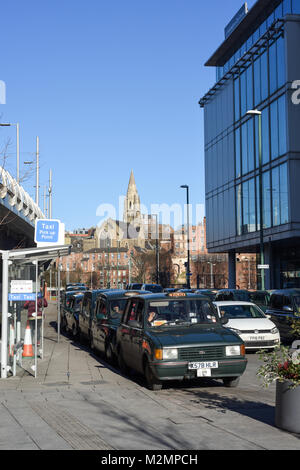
233	302
165	295
287	291
123	293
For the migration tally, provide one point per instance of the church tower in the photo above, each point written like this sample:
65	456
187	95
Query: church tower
132	204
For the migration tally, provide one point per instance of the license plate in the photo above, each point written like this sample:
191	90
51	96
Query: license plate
257	338
203	365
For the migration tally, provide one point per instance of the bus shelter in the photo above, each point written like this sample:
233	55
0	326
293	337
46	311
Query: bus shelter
21	332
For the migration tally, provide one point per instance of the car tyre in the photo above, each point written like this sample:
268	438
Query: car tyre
231	381
152	382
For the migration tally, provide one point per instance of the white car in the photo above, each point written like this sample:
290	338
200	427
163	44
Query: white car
250	323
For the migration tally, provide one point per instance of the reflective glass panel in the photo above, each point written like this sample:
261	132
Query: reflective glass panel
284	205
265	136
296	7
266	200
282	125
276	196
237	153
274	129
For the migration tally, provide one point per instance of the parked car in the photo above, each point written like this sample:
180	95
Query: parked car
261	298
87	312
70	318
156	288
250	323
284	309
176	336
134	286
232	294
211	293
109	309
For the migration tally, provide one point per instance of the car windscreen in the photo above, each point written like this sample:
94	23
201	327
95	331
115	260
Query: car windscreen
260	298
163	313
116	308
297	302
155	289
242	296
240	311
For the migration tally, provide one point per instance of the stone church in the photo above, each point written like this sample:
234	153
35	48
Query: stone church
129	232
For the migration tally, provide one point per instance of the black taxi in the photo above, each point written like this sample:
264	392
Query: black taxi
70	318
178	336
107	317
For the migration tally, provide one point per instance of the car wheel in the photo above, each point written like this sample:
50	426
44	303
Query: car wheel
122	364
152	382
231	381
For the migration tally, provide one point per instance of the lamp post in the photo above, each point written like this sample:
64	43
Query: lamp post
211	274
185	186
255	112
18	146
157	248
37	162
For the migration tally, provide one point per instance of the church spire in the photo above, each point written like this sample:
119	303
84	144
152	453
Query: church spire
132	209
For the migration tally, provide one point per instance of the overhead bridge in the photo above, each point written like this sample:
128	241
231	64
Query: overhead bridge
18	213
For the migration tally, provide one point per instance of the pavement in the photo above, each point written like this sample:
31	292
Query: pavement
79	402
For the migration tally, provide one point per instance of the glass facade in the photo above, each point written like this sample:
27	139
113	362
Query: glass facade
241	187
286	7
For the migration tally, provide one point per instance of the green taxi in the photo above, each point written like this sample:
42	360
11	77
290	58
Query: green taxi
177	336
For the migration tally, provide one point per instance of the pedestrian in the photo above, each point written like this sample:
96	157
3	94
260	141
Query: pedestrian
30	305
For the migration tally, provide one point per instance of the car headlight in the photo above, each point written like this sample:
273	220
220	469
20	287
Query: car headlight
233	350
274	331
169	353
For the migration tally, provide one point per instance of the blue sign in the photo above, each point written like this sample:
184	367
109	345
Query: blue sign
21	297
236	20
47	231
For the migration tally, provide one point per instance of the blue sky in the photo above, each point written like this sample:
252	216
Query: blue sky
110	86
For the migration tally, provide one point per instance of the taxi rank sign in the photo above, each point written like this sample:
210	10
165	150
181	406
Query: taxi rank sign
49	232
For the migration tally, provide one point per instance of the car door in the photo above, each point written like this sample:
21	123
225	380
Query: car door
136	336
85	314
278	315
124	331
100	329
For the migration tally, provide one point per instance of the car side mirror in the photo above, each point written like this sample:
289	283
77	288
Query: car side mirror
224	320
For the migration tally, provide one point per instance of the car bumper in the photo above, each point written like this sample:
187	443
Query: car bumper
266	341
178	370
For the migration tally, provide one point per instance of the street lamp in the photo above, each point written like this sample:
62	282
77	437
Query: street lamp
18	146
211	274
185	186
37	171
157	249
256	112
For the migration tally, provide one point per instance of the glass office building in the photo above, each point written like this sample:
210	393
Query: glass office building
256	69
